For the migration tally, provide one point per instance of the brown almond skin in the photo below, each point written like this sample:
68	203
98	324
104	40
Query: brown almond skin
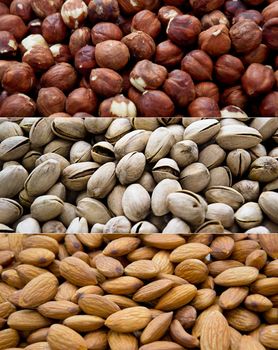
62	337
156	329
181	337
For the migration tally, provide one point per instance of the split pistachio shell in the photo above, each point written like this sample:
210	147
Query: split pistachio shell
136	202
103	152
46	207
93	211
29	225
268	201
176	225
80	152
144	227
135	140
184	152
76	176
165	168
72	129
238	161
249	215
202	131
195	177
131	167
119	224
114	200
212	156
10	211
220	176
12	180
222	212
9	129
14	147
102	181
159	144
60	159
40	132
249	189
264	169
223	194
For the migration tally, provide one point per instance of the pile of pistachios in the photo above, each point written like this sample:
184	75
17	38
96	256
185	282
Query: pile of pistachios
139	175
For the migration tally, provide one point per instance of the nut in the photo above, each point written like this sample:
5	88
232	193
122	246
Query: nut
245	35
228	69
204	107
253	15
258	79
81	99
9	107
258	55
8	44
112	54
183	30
61	53
155	103
140	45
105	31
147	75
22	8
270	11
118	106
269	33
168	54
106	82
39	58
34	26
214	18
84	59
207	89
14	25
146	21
54	29
62	76
50	100
166	13
79	38
74	13
103	10
44	8
18	78
180	87
235	96
269	105
198	64
215	40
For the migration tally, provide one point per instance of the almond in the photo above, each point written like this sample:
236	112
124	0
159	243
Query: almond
84	323
38	291
165	241
216	267
180	336
269	243
9	338
257	303
77	272
249	343
121	246
58	309
271	269
108	266
187	316
203	298
129	320
256	259
122	301
222	247
27	272
123	285
269	336
162	261
215	333
6	308
235	339
96	340
63	338
177	281
97	305
176	297
232	297
141	253
143	269
38	346
192	270
156	329
265	286
27	320
152	290
190	251
66	291
243	248
86	290
40	241
161	345
237	276
122	341
196	330
242	319
40	257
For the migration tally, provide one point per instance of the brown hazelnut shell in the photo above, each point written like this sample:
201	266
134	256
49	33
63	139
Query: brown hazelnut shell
204	107
50	100
155	103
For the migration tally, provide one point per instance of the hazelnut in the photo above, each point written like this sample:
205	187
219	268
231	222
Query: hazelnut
270	33
79	38
134	95
117	106
269	105
168	54
146	21
44	8
179	87
84	59
61	53
39	58
183	30
8	44
54	29
270	11
228	69
9	107
234	96
130	7
204	107
62	75
154	103
14	25
50	100
140	45
215	40
81	100
258	79
18	77
149	4
233	8
252	15
214	18
22	8
166	13
32	40
124	24
35	26
147	75
4	65
4	10
207	89
204	6
258	55
106	82
74	13
105	31
112	54
103	11
246	35
198	64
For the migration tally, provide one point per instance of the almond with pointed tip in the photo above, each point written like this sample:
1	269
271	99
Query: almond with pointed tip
190	251
238	276
156	329
61	337
153	290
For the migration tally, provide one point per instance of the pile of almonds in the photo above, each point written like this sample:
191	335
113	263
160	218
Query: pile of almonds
140	175
128	58
146	292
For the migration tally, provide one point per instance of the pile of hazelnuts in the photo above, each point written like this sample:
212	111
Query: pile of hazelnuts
138	58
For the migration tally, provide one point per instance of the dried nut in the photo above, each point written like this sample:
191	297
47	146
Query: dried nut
250	190
119	224
81	100
264	169
176	225
14	147
141	46
238	161
184	153
69	129
255	73
245	35
76	176
40	133
117	106
103	11
229	69
196	207
61	75
213	18
112	49
226	195
10	211
105	31
198	64
202	131
222	212
203	107
159	144
212	156
124	145
195	177
160	193
168	54
150	104
8	44
268	204
130	168
93	211
216	40
102	181
46	207
136	202
249	215
106	82
50	100
12	180
102	152
117	129
74	13
183	29
144	227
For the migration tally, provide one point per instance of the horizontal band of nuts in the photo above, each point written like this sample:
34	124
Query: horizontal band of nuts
128	58
139	175
138	292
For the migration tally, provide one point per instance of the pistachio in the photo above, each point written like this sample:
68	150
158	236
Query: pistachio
103	152
238	161
46	207
221	176
14	147
264	169
93	211
184	152
60	159
131	167
117	129
249	189
10	211
76	176
159	144
268	201
40	133
102	181
202	131
221	212
78	225
28	225
69	129
144	227
97	125
114	200
165	168
249	215
224	194
29	160
118	224
136	202
80	152
212	156
9	129
176	225
195	177
135	140
12	180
